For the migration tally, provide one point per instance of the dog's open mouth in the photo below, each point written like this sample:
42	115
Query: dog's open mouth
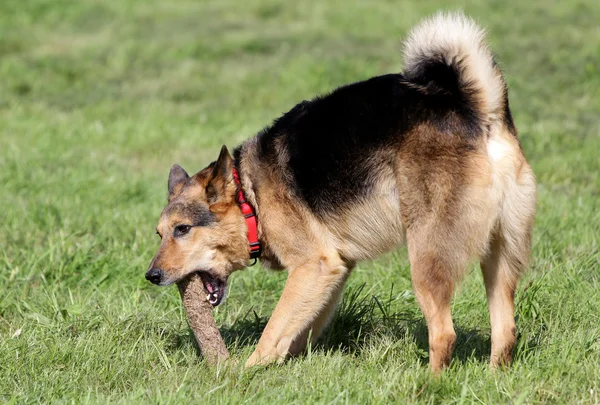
214	286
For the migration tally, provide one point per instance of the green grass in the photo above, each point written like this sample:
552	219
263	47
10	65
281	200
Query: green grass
98	99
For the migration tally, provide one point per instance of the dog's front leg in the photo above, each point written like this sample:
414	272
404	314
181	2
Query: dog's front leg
307	302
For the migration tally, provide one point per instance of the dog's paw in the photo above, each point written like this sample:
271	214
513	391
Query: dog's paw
261	358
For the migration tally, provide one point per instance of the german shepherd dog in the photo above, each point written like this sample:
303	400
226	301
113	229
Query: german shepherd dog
429	157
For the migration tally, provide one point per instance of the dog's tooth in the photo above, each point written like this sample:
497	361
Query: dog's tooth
207	297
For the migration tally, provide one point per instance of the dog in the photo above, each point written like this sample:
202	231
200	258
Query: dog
429	158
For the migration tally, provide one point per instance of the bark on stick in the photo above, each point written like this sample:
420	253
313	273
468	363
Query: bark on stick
202	322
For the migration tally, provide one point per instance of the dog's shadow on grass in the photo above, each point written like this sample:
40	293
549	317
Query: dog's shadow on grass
359	321
243	333
471	344
362	319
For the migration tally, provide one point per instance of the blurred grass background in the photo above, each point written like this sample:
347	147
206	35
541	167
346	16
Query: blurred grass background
99	98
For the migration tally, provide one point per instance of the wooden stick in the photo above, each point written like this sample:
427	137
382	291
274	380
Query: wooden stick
201	320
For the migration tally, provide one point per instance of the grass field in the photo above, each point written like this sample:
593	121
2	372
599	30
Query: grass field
98	99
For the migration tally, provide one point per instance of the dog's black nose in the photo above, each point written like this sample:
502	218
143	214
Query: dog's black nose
154	275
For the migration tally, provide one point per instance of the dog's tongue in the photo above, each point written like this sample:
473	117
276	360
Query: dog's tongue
208	282
214	287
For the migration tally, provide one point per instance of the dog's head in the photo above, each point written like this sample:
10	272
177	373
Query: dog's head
201	229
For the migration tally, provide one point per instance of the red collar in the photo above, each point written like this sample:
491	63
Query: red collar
250	216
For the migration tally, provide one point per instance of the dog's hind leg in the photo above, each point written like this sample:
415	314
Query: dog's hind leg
308	299
500	282
433	282
508	257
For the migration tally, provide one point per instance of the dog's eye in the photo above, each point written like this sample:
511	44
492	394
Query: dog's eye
181	230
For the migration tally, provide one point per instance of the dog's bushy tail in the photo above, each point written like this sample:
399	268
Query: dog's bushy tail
448	54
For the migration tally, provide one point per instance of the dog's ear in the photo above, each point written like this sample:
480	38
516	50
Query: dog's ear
177	178
221	181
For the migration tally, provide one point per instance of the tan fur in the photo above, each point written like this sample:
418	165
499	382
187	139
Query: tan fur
371	227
